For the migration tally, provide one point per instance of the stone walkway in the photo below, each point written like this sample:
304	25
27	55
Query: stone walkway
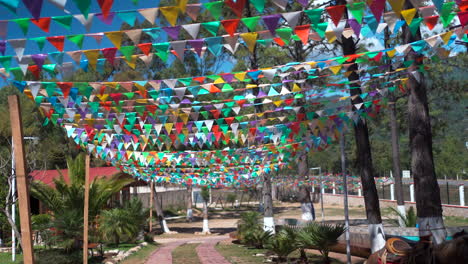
208	254
206	251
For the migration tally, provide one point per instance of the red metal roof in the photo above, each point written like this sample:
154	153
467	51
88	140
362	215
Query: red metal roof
48	176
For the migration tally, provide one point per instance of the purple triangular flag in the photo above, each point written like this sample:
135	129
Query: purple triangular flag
197	44
106	19
173	32
355	26
34	6
39	59
2	47
228	77
271	22
303	3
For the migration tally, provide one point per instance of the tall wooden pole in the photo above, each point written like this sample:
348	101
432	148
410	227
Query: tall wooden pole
151	206
21	179
86	212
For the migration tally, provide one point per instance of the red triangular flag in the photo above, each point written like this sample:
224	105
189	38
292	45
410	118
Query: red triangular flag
237	6
302	32
336	12
43	23
431	21
463	16
145	48
57	42
106	6
109	54
214	89
65	87
35	70
230	26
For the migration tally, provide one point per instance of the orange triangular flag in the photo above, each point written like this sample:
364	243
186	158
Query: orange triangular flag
230	26
303	33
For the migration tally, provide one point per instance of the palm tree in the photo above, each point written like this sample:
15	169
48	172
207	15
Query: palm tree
116	224
66	200
282	244
320	236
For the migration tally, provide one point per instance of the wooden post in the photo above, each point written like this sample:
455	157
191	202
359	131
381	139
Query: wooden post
151	207
21	179
86	212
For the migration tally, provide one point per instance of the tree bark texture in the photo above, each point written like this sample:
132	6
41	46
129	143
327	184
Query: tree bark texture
189	204
159	211
307	207
428	202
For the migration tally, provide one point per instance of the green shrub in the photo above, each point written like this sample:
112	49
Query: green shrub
319	235
257	238
282	244
117	225
410	220
58	256
231	198
249	222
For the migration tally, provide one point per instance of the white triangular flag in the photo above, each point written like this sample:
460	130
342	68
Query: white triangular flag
134	35
269	74
18	46
34	87
87	23
192	29
75	55
179	48
292	18
149	14
281	3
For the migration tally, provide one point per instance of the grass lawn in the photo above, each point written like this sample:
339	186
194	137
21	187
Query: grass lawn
5	258
141	256
240	254
455	221
186	254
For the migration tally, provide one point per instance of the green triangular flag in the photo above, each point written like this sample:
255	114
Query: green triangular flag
40	42
357	10
212	27
83	6
50	68
448	19
215	8
314	15
162	50
127	51
259	5
77	39
64	21
227	88
284	34
250	22
23	23
265	42
6	62
320	28
50	88
414	26
18	73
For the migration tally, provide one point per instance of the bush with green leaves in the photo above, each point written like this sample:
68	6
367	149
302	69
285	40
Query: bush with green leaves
320	236
231	198
249	222
116	225
409	220
282	244
41	227
257	238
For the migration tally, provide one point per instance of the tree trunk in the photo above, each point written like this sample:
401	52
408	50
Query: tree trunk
428	202
160	213
268	220
6	212
307	207
189	204
206	228
364	156
396	160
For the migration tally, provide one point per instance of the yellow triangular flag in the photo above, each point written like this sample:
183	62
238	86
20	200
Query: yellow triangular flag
296	88
132	63
250	86
92	56
115	37
250	39
408	15
168	127
330	36
391	53
182	4
219	80
240	76
184	117
397	5
171	13
335	69
446	36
